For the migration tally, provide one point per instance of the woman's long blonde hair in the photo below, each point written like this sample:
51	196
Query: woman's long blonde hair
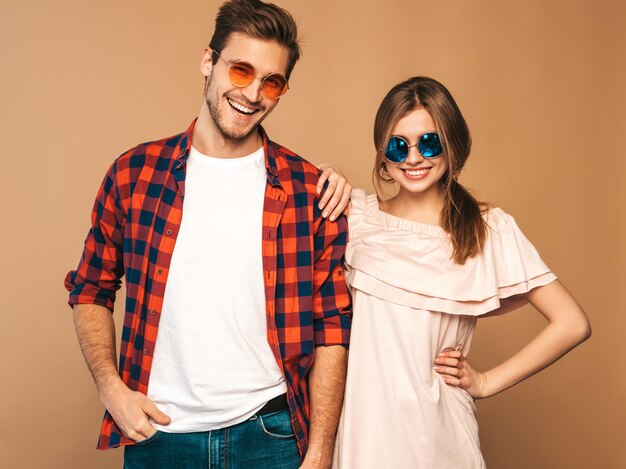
461	215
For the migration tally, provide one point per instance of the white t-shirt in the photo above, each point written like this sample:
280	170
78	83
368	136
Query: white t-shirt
213	366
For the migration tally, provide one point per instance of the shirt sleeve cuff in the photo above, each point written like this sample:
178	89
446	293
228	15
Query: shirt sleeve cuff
86	293
333	330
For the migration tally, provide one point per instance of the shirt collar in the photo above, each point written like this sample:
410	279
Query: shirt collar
184	146
269	148
271	153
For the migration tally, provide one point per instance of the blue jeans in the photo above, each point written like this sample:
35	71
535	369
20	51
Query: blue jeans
262	441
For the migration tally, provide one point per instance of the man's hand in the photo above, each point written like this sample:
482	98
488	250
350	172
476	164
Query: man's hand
336	197
307	464
131	411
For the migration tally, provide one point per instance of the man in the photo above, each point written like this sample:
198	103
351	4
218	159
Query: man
237	316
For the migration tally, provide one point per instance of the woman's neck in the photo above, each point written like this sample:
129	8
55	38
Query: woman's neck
423	207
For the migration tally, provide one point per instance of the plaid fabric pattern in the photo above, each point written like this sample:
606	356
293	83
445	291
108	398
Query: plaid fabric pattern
135	221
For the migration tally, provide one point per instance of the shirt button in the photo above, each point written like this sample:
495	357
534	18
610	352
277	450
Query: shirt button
146	351
159	271
168	232
153	312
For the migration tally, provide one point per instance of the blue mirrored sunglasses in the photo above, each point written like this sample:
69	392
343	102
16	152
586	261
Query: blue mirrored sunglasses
427	144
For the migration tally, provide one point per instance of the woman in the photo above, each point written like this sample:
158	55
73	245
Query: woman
423	266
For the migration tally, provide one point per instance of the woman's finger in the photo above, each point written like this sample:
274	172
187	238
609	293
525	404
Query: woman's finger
447	370
322	179
450	353
346	212
334	205
328	172
342	205
328	193
447	361
451	380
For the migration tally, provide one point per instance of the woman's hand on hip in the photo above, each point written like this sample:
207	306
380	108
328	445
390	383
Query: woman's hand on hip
457	371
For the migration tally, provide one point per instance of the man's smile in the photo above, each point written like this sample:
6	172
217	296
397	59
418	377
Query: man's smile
240	108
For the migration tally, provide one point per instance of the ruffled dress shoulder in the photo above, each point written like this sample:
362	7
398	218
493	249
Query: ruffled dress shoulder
410	263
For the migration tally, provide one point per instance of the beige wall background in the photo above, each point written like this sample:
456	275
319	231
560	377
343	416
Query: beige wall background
541	84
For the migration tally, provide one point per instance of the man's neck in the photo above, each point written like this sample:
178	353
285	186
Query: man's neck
209	140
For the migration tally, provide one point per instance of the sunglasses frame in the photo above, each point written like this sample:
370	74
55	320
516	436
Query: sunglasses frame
416	145
230	64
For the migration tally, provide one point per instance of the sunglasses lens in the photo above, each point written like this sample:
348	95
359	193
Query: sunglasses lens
397	149
242	74
274	85
429	145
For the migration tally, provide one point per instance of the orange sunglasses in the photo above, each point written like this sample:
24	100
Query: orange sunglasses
241	74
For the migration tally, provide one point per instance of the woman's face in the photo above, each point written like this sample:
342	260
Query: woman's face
417	174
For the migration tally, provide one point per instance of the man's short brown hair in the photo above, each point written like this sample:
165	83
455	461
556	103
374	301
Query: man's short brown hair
259	20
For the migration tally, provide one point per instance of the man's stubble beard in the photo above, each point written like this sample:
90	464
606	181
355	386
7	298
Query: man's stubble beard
212	100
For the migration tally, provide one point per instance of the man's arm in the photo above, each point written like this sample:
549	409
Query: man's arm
326	387
92	288
130	409
332	318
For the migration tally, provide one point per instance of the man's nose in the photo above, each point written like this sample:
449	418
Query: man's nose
252	92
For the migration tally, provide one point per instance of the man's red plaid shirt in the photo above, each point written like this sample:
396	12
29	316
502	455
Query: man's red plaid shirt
135	221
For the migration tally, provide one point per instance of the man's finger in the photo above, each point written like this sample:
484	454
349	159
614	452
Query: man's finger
155	414
146	431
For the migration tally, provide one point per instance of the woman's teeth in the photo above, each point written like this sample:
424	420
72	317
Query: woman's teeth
416	172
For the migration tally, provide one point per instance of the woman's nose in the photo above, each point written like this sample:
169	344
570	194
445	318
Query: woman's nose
414	155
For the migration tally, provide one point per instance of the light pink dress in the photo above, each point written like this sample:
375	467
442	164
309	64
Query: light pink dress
410	302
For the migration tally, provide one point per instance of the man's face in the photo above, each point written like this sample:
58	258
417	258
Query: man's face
236	111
